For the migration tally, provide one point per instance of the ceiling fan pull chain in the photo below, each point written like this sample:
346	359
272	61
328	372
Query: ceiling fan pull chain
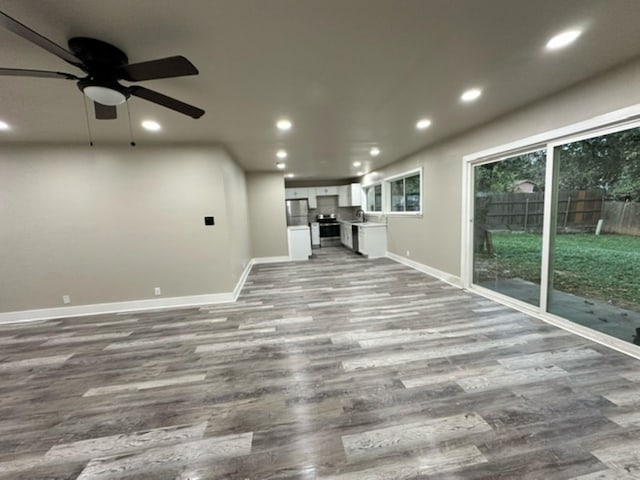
86	114
132	143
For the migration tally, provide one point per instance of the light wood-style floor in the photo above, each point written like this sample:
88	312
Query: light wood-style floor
338	368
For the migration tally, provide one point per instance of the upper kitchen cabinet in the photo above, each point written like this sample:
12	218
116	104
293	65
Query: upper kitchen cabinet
313	203
296	193
349	195
322	191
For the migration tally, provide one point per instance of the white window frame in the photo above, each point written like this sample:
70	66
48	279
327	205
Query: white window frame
386	193
365	207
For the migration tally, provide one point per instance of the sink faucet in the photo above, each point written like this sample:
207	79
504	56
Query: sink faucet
361	212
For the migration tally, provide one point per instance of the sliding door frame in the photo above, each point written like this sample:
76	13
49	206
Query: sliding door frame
613	122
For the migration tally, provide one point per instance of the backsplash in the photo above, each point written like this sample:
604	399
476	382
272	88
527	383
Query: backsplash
328	204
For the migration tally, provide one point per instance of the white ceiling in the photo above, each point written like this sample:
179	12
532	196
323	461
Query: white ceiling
348	73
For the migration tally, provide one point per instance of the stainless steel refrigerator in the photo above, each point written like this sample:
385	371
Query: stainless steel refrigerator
297	212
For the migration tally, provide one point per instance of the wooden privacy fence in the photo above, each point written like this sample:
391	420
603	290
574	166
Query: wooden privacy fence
525	211
621	217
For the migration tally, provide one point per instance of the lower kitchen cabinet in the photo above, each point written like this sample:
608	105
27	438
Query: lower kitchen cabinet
372	240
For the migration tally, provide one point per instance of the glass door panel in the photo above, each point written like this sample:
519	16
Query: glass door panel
508	215
595	278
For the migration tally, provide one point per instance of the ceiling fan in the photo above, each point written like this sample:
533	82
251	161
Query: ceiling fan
104	66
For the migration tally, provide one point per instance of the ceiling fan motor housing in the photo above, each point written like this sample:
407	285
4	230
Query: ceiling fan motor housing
101	59
102	62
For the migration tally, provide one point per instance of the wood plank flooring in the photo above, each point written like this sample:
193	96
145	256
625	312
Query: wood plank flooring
338	368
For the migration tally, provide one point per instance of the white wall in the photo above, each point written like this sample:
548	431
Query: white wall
435	238
109	225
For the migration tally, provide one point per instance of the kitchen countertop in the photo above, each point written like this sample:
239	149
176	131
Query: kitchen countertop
363	224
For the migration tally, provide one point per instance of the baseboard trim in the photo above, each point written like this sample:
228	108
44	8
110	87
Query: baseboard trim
114	307
243	278
434	272
22	316
258	260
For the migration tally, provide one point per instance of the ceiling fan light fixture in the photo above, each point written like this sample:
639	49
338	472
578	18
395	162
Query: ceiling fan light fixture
104	95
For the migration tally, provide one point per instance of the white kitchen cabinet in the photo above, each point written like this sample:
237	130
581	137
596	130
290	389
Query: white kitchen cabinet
294	193
372	240
349	195
313	202
308	193
323	191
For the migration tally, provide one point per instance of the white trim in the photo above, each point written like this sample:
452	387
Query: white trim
364	196
115	307
434	272
258	260
404	214
467	227
403	174
549	222
562	323
242	279
601	121
21	316
386	192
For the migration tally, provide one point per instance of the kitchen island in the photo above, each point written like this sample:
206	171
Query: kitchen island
366	238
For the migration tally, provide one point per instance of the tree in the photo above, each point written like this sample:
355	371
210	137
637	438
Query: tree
502	176
610	163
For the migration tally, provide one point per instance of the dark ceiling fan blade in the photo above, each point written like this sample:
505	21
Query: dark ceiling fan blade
162	68
34	37
105	112
21	72
165	101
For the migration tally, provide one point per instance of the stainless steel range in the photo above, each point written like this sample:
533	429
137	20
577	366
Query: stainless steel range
329	230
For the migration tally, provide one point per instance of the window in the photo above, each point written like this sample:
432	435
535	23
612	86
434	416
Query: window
405	193
373	196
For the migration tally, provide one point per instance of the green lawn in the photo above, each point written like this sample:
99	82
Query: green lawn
605	267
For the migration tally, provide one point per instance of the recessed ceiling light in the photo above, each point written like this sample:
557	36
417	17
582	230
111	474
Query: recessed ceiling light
283	124
290	175
4	125
359	173
423	123
357	164
374	152
281	153
471	95
563	39
151	125
280	165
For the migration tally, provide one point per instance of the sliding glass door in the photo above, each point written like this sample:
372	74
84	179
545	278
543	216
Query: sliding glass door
508	213
592	238
595	248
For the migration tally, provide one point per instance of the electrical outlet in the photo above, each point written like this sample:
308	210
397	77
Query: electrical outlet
66	299
408	253
157	291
